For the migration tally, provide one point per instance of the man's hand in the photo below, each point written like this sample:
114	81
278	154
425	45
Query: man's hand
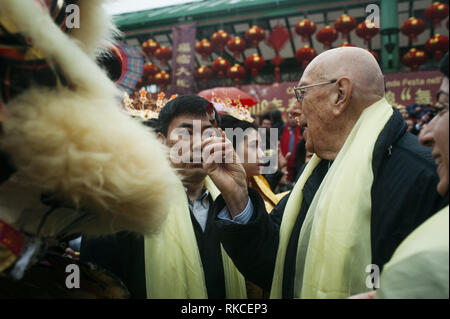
223	166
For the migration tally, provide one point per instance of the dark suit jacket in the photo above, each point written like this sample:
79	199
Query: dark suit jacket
123	255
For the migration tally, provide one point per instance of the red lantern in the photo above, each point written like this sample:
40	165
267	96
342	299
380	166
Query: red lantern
150	70
437	44
254	63
436	13
305	55
305	29
237	46
163	54
367	30
220	39
162	79
345	24
149	47
255	35
237	73
414	58
203	73
327	35
412	28
347	44
204	48
220	66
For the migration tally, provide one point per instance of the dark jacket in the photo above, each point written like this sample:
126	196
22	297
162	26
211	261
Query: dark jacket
123	255
403	196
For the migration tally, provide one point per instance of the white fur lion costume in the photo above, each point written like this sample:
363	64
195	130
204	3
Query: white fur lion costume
72	140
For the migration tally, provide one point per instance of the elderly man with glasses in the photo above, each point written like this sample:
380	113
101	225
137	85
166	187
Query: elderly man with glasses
369	184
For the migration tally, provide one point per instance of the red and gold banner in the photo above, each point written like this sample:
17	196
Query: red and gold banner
403	88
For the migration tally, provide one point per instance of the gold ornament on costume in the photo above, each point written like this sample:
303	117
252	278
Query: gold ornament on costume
143	106
232	107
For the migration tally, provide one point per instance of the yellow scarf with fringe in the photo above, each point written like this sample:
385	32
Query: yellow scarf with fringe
334	246
173	267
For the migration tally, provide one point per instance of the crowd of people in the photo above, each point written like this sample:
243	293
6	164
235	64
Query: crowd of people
179	206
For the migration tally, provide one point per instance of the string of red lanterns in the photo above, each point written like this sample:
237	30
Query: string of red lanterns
412	28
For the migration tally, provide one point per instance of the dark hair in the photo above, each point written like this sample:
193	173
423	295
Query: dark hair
276	116
265	116
228	121
189	104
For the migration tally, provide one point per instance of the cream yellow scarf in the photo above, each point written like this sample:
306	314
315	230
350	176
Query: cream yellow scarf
334	244
173	268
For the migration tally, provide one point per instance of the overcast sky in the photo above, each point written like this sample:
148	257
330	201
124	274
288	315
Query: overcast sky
122	6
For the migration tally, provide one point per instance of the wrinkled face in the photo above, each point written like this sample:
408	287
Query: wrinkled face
184	137
251	154
316	114
436	135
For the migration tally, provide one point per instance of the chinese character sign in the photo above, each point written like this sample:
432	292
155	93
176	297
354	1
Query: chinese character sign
183	59
405	88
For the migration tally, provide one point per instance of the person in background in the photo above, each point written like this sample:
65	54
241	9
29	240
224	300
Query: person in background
288	142
248	148
277	121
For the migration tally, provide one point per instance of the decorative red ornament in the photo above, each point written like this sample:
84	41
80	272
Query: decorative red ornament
436	13
367	30
204	48
277	60
278	38
237	73
412	28
345	24
220	66
438	45
305	55
219	40
414	58
255	63
305	29
149	47
327	35
162	79
203	73
255	35
163	54
237	46
150	70
347	44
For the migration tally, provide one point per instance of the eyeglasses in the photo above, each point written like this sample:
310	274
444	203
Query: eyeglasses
301	90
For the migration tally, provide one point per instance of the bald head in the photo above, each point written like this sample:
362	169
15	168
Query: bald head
355	63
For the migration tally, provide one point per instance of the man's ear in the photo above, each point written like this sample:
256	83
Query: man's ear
161	138
344	94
